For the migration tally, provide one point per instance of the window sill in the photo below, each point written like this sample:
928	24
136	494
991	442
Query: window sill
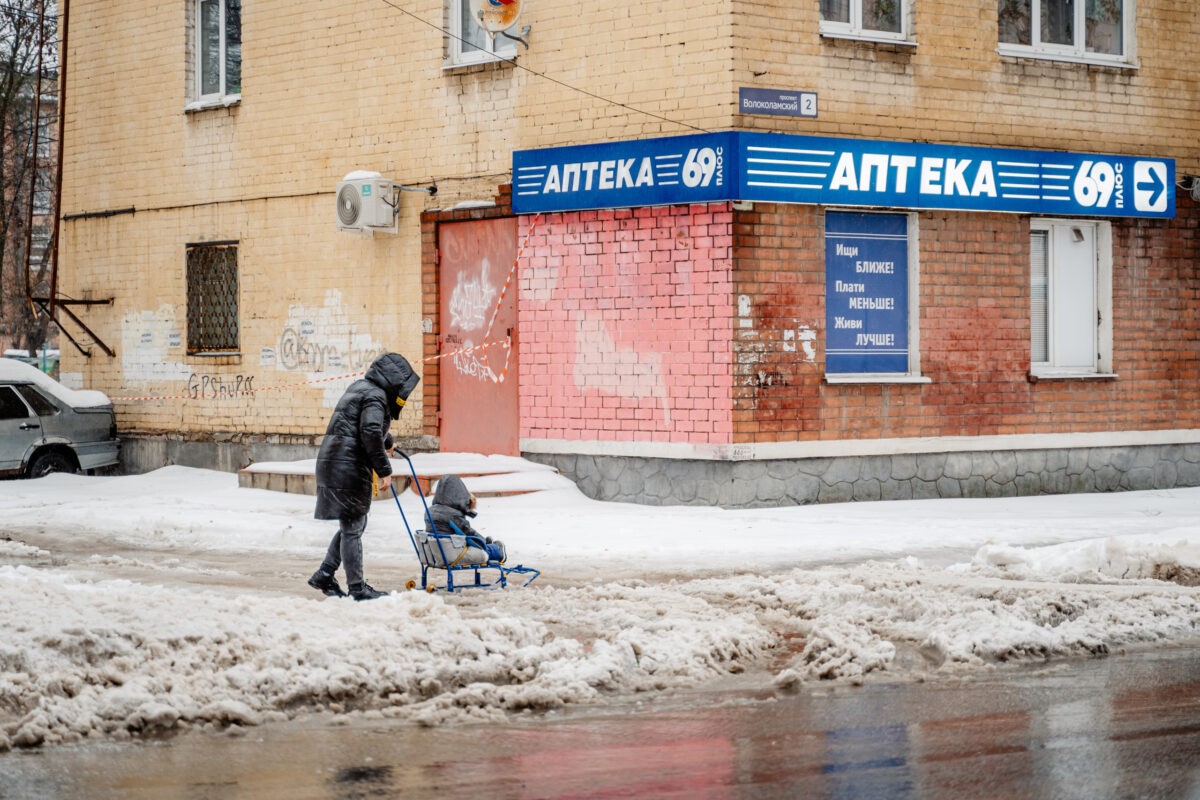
480	61
877	378
868	38
225	357
213	102
1035	376
1018	51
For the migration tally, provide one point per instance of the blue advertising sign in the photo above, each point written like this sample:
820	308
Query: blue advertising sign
775	167
643	172
866	292
855	172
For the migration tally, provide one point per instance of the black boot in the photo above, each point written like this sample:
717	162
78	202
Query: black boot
325	582
364	591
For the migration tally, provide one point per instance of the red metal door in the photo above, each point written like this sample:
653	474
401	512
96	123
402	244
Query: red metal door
478	314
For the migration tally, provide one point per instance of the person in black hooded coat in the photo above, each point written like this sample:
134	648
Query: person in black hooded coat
351	455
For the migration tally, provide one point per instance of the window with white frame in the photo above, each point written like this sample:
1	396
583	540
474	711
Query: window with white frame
1074	30
468	43
1070	308
883	20
216	52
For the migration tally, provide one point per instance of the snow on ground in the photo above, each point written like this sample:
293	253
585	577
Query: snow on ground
133	605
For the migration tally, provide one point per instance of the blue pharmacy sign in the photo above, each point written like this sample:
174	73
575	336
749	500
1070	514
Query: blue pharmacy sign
644	172
866	293
855	172
775	167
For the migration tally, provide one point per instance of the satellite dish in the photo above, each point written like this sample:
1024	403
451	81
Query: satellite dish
495	15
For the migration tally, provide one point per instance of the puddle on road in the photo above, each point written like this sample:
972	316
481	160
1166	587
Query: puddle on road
1128	725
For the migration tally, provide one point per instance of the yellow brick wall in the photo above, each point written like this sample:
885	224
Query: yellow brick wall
334	87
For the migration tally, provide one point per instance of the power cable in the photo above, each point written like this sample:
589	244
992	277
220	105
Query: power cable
544	76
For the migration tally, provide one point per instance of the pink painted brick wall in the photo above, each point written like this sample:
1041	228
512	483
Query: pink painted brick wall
626	322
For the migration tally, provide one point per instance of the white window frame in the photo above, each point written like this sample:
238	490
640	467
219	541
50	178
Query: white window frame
198	100
854	28
1096	310
496	47
1076	52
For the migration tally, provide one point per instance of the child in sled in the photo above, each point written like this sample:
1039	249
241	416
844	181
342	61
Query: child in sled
452	505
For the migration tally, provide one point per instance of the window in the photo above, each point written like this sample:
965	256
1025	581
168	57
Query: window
40	404
212	298
871	297
41	193
217	52
468	43
41	201
11	406
1078	30
883	20
46	134
1070	309
39	245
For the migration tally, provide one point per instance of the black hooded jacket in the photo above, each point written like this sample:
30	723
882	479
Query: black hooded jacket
353	446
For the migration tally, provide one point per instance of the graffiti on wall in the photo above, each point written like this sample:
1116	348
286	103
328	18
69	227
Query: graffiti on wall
298	350
219	387
316	340
472	307
473	300
325	339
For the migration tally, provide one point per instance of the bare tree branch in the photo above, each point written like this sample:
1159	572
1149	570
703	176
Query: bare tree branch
28	68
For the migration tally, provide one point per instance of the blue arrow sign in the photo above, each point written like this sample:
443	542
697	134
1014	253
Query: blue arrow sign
1155	185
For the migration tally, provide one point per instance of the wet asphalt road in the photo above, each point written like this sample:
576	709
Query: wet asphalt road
1126	726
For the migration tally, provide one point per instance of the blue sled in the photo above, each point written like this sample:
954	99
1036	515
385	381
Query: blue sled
444	551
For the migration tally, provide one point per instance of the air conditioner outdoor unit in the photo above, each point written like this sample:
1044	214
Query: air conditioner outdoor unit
366	203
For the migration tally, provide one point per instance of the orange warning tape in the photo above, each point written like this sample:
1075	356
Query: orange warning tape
225	394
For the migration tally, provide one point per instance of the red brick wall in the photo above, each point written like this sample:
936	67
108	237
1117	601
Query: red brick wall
624	325
626	318
974	334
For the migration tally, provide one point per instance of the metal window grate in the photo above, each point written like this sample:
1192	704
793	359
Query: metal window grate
212	298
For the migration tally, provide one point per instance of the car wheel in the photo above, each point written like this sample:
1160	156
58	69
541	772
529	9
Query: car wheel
53	461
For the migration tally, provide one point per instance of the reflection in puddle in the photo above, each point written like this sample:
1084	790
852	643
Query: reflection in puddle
354	783
1122	726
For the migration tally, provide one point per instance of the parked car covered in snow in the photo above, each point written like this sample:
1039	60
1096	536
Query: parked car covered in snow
46	427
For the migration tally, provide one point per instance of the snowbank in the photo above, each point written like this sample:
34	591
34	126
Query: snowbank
173	600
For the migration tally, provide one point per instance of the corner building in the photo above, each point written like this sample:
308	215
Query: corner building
752	254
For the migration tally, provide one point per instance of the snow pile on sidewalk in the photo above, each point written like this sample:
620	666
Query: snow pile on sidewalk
633	600
117	658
